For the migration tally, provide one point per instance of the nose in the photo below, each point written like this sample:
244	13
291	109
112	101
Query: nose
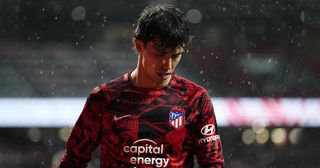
167	64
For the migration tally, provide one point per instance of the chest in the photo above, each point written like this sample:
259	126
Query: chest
137	116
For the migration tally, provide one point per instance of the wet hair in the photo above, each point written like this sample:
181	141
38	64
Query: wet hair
165	25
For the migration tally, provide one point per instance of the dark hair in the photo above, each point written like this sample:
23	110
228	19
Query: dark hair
165	24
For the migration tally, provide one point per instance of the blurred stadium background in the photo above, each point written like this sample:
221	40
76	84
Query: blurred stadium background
259	60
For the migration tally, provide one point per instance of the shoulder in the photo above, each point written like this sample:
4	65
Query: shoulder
113	86
191	88
187	84
118	83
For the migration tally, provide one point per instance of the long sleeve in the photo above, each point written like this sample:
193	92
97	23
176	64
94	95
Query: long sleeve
208	143
86	133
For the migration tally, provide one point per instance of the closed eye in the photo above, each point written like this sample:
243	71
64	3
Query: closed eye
175	56
160	54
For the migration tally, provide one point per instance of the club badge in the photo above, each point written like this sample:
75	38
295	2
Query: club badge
176	118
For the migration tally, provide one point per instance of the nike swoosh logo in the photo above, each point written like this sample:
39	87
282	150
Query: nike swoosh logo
115	118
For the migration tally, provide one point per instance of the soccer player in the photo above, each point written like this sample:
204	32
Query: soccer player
149	117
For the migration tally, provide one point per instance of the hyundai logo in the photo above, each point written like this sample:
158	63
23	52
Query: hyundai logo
208	129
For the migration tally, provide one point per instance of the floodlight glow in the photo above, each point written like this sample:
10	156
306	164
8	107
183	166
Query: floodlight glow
256	112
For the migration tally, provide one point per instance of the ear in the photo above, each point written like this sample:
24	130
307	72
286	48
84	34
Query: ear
139	45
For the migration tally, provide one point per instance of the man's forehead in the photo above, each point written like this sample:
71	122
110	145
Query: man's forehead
165	49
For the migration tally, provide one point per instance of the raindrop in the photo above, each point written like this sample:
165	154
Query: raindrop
50	142
34	134
299	44
201	72
249	55
204	57
194	16
77	43
78	13
35	153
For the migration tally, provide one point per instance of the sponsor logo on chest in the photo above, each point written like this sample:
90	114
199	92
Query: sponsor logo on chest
145	150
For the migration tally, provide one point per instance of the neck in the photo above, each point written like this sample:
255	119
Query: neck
141	80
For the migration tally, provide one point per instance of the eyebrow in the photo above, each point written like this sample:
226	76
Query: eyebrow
163	53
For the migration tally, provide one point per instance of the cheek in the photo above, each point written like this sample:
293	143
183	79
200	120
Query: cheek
149	63
176	62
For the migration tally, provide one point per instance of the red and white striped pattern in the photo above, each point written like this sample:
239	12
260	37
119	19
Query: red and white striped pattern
177	122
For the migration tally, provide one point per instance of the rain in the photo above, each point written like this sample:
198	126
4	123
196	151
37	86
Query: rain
258	60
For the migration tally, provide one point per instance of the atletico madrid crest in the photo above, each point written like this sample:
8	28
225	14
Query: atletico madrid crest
176	118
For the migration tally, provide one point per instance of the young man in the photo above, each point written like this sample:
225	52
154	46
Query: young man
150	117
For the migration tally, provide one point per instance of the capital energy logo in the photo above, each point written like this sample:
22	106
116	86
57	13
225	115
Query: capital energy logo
208	130
149	148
